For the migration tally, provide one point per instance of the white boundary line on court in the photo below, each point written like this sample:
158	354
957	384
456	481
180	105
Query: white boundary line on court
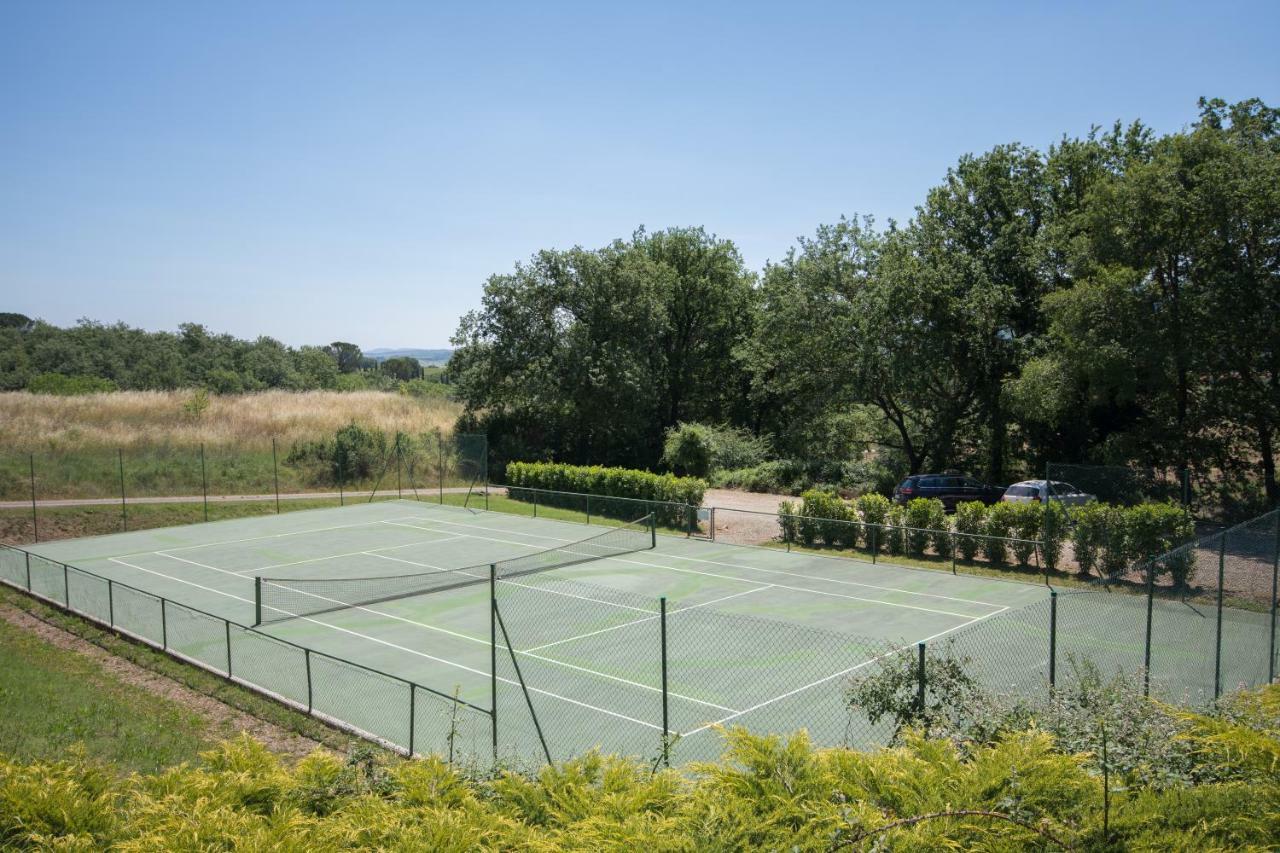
635	562
387	643
825	679
418	624
372	552
252	538
841	581
646	619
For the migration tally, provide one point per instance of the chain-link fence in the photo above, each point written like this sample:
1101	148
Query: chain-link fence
59	494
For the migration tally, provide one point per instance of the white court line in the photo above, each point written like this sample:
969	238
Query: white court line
748	580
646	619
423	625
740	566
464	667
372	552
867	662
258	538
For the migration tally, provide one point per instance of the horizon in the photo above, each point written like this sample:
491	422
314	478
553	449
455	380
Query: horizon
320	172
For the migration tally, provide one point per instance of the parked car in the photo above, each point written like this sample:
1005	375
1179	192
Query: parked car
951	489
1039	491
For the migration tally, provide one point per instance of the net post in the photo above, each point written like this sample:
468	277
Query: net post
412	715
124	509
920	679
306	657
1146	654
1217	644
275	472
204	483
257	600
1275	576
35	525
666	727
493	656
1053	640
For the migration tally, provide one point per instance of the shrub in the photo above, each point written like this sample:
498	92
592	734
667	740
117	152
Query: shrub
874	511
1025	522
832	515
1090	523
895	539
924	515
697	450
69	386
1115	555
971	519
1154	530
998	528
670	494
778	476
1053	534
355	453
787	521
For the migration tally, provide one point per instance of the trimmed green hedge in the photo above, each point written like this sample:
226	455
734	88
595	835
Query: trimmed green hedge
669	494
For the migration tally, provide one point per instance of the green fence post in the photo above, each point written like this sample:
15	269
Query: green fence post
920	681
111	605
204	483
875	542
228	626
1275	575
28	553
440	462
666	727
164	626
257	600
35	525
588	509
1053	639
66	587
124	509
275	473
535	503
1146	654
1217	645
412	715
341	476
493	657
306	656
399	489
953	552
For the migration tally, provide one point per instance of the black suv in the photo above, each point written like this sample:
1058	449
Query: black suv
951	489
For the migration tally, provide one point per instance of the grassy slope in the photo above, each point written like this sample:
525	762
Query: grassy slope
52	699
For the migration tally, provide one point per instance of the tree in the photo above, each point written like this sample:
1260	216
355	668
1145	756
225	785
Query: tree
402	368
348	356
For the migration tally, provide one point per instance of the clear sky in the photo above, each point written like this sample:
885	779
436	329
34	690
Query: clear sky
318	171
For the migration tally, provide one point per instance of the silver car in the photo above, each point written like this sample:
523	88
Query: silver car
1039	491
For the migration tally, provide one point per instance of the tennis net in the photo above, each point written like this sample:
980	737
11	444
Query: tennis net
280	599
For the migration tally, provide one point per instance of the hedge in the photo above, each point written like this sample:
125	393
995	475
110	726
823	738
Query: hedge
671	495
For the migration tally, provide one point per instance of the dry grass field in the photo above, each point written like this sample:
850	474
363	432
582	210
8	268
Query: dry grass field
134	419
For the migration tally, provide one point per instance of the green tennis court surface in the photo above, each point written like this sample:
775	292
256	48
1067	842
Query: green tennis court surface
754	636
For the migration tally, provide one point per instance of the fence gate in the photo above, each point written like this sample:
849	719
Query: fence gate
702	523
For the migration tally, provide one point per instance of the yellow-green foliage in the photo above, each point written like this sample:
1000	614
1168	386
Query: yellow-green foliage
1019	792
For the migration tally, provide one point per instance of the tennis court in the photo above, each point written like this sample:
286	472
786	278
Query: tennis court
752	636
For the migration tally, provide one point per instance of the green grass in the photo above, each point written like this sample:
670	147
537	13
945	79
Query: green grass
192	677
53	700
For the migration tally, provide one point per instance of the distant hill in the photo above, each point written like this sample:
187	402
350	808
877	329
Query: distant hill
428	357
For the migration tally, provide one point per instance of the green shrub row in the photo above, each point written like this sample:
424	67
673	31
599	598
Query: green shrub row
1106	539
670	495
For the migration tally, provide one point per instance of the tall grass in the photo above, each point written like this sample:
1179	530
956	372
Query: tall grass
132	419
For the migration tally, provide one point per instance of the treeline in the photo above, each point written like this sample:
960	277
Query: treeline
1115	299
91	356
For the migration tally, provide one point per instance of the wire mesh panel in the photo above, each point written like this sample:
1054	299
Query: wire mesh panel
197	635
728	669
89	594
279	668
13	566
1108	629
456	732
48	579
138	613
373	703
1008	654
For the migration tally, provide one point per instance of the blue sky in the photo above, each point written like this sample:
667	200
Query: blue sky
319	171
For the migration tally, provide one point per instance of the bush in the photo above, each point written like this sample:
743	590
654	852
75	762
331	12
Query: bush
895	539
923	515
1090	522
69	386
998	528
780	476
831	514
1054	534
1115	555
1154	530
1025	522
697	450
355	453
787	521
874	510
971	519
670	494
